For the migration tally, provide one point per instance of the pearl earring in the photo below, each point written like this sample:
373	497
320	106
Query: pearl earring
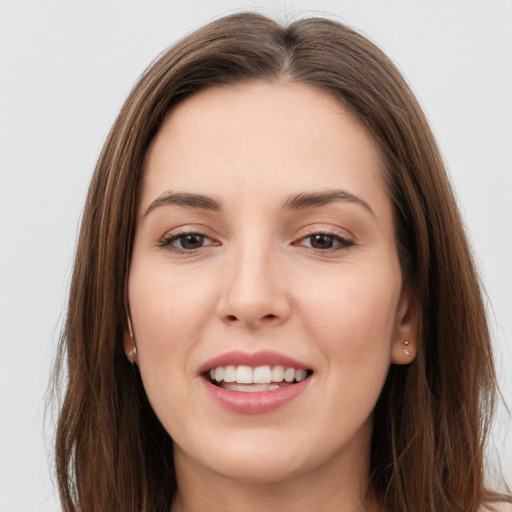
406	350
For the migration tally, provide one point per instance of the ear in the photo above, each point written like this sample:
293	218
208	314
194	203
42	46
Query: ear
129	343
405	344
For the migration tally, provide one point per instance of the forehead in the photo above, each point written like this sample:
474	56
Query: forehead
273	138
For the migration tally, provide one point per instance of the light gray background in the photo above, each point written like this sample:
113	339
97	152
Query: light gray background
65	69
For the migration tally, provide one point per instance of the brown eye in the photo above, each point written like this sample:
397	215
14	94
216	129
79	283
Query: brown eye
321	241
191	241
185	242
325	242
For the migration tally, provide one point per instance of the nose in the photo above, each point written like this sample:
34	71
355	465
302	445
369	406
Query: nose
254	291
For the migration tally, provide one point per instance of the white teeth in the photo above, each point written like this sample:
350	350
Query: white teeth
251	389
300	375
289	374
219	373
261	375
230	373
243	375
277	373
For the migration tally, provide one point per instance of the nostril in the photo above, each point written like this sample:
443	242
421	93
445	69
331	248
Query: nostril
250	318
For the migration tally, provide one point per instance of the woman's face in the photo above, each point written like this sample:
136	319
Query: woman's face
265	251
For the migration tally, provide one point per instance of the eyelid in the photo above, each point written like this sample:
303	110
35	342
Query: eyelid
322	228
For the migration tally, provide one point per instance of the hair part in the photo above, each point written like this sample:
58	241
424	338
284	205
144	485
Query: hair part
433	416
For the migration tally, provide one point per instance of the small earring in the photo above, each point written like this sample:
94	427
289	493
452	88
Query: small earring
406	350
133	352
132	355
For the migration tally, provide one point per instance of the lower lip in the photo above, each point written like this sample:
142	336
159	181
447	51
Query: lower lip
257	402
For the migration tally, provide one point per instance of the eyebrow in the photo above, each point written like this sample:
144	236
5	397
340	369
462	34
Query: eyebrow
184	199
317	199
295	202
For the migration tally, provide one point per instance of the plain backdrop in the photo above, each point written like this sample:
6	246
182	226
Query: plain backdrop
66	67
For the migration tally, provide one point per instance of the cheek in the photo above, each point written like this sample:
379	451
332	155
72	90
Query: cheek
168	311
169	315
352	315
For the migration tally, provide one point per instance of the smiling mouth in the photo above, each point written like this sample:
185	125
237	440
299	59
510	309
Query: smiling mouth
261	378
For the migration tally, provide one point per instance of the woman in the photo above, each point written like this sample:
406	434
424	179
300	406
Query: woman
273	304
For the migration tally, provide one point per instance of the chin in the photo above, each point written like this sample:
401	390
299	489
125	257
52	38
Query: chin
260	469
259	456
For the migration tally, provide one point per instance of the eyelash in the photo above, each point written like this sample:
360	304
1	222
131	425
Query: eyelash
344	243
168	241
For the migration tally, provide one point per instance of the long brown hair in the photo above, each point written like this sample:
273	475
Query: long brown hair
432	417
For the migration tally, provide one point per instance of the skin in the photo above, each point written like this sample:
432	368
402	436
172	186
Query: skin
258	282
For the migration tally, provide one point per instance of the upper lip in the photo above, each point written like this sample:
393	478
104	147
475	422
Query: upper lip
253	359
